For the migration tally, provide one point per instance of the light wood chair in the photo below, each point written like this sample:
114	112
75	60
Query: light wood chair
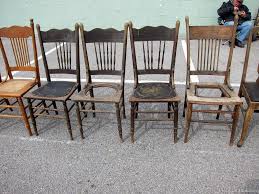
250	91
25	60
209	40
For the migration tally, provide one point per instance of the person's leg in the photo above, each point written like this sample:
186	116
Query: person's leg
244	30
230	23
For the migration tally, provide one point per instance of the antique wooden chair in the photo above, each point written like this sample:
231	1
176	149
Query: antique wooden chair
155	43
23	47
250	91
108	47
66	43
209	63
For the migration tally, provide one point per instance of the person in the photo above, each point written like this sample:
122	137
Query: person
227	12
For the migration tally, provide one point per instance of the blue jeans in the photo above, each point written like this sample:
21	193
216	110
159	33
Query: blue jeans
244	29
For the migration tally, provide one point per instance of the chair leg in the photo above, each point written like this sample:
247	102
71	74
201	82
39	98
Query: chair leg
118	115
123	107
68	120
79	120
188	121
185	103
8	103
175	122
169	109
234	124
136	114
132	121
93	105
33	120
24	115
55	106
247	120
220	108
45	106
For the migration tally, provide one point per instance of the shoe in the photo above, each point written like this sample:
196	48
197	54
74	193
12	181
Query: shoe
239	44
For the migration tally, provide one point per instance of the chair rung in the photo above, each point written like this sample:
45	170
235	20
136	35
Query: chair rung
154	112
52	116
99	111
10	116
154	120
8	106
212	122
214	111
43	108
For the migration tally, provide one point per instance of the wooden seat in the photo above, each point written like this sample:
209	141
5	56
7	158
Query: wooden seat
210	63
23	47
229	97
104	55
15	87
249	90
155	43
43	101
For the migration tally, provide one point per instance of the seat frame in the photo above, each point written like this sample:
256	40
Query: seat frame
18	37
61	37
228	97
253	106
161	34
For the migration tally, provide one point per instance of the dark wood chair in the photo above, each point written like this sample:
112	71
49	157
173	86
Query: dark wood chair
66	43
155	43
209	63
107	46
23	46
250	91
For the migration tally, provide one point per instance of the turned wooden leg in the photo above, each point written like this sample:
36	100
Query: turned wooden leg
67	120
79	120
24	115
118	115
33	120
234	125
247	120
187	121
175	122
132	120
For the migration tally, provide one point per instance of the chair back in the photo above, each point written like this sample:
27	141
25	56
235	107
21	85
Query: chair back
209	55
150	47
63	44
18	48
104	52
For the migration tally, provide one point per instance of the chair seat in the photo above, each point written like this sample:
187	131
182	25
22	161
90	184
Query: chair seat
84	95
231	98
15	87
252	89
53	89
154	92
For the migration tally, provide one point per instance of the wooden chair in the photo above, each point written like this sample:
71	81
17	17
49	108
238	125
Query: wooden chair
250	91
22	40
106	46
209	57
66	43
156	43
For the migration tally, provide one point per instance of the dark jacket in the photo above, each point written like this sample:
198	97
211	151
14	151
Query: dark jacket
226	12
